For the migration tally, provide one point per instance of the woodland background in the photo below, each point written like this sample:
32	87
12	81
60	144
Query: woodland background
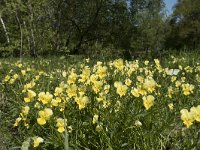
96	27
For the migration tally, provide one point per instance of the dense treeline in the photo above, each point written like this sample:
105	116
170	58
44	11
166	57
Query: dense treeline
54	27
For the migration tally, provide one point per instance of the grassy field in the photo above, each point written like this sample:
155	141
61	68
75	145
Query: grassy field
68	103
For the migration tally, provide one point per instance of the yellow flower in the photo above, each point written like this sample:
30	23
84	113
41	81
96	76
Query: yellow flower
11	81
128	82
19	65
95	119
187	117
119	64
171	106
7	78
173	78
135	92
142	91
177	83
183	79
25	110
116	84
196	112
157	62
93	78
44	115
45	98
170	91
148	101
85	74
31	94
64	74
82	101
97	85
28	86
187	89
146	62
140	79
99	128
117	106
55	102
60	124
72	78
27	100
58	91
121	89
41	121
71	90
17	121
37	141
101	71
106	88
23	72
15	76
102	97
149	84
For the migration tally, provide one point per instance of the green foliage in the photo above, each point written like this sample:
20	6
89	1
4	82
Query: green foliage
56	27
122	124
185	26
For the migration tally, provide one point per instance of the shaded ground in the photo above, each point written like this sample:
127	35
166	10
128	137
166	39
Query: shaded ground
2	124
2	145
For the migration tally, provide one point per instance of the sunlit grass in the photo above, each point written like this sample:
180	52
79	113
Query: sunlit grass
59	103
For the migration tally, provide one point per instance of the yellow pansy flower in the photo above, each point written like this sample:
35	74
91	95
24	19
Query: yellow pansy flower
45	98
148	101
71	90
44	115
37	141
196	112
187	117
82	101
60	124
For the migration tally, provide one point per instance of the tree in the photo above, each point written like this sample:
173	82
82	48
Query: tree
185	25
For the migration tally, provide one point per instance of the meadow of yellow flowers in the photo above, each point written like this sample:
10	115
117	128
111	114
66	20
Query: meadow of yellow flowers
140	104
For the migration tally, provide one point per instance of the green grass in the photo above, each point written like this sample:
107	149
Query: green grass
161	127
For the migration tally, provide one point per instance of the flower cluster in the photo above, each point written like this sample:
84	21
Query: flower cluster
85	96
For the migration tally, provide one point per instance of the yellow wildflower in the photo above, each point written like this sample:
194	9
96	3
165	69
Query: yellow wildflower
196	112
119	64
72	77
171	106
82	101
101	71
97	85
58	91
37	141
44	115
187	117
135	92
60	124
121	89
95	119
71	90
128	82
17	122
149	84
187	89
148	101
45	98
7	78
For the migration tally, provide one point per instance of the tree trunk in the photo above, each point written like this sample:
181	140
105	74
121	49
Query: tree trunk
33	49
21	36
4	28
